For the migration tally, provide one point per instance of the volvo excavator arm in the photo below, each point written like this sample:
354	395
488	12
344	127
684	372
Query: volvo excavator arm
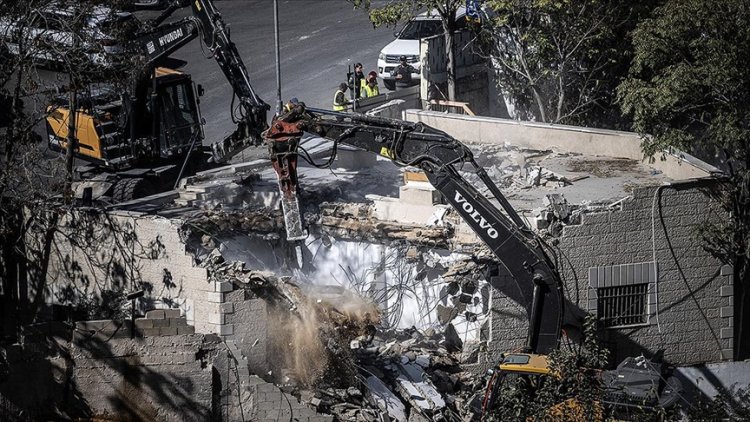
440	156
161	39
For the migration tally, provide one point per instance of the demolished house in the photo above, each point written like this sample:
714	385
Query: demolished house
388	306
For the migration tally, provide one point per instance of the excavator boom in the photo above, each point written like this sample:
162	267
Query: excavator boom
161	39
438	154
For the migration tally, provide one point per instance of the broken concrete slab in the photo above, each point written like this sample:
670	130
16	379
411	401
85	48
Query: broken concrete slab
385	399
419	193
422	360
393	209
559	206
419	390
452	341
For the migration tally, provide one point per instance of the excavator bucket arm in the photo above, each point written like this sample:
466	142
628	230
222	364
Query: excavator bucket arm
517	248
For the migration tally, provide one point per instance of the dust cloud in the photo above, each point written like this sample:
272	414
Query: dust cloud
311	341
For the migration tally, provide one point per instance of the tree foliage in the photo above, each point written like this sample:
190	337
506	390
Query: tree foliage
689	88
48	62
560	61
689	85
572	391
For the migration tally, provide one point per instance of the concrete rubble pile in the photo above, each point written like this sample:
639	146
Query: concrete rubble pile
362	370
415	371
366	372
517	169
558	212
353	221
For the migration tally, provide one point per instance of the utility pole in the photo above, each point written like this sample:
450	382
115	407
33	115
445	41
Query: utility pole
72	111
69	153
351	77
279	103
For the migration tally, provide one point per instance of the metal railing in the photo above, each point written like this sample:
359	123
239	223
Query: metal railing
455	107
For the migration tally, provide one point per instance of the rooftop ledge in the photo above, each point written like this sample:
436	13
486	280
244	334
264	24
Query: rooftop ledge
675	164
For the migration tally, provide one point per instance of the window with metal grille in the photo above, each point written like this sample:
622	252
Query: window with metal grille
623	305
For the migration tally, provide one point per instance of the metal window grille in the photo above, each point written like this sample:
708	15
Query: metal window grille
623	305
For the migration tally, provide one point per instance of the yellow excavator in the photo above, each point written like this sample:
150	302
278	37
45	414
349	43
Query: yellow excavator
143	141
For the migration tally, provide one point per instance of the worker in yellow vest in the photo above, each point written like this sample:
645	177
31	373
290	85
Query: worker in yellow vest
294	102
339	98
370	85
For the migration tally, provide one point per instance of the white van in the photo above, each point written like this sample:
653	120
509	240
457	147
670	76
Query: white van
424	25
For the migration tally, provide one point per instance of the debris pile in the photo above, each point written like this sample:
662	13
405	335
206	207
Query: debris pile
334	359
412	375
407	374
557	213
516	169
539	176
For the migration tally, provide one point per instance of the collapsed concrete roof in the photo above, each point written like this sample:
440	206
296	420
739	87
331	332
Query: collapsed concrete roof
526	160
366	197
378	230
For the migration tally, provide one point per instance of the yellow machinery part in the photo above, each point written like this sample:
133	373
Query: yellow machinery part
569	410
533	364
89	142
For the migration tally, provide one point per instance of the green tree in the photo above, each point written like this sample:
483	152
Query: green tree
689	88
560	61
571	392
402	10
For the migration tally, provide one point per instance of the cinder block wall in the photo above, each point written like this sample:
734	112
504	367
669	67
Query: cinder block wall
690	304
248	318
158	378
162	378
508	326
90	251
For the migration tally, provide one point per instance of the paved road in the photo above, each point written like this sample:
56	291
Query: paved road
319	38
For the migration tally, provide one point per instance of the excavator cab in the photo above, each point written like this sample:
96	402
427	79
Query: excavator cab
143	137
164	126
177	113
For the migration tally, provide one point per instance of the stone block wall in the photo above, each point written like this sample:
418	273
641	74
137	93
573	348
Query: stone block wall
508	325
249	322
242	396
164	378
273	404
154	378
689	306
246	397
89	251
688	298
97	371
163	322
